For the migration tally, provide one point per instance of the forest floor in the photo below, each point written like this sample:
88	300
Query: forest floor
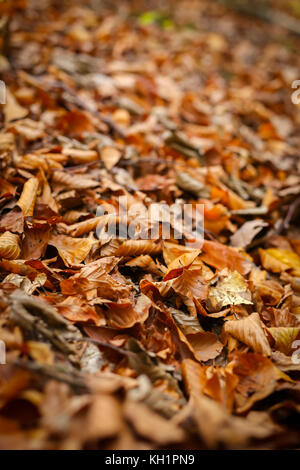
120	327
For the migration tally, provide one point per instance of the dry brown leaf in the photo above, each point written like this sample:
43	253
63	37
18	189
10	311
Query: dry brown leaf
29	129
249	330
12	109
278	260
104	418
177	266
220	256
9	245
258	378
125	315
79	156
214	424
146	263
204	345
69	180
72	250
246	233
232	290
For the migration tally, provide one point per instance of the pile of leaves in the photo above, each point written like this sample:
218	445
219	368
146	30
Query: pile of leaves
146	343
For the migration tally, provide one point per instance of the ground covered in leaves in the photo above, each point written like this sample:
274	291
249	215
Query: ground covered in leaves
146	343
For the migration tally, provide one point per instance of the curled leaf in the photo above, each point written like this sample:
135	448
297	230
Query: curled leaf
191	185
12	109
73	181
28	197
138	247
177	266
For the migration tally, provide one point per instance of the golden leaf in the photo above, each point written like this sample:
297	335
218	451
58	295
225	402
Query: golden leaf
284	337
9	246
138	247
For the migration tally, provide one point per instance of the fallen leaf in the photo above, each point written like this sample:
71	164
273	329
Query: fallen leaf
12	109
220	256
9	246
278	260
284	338
72	250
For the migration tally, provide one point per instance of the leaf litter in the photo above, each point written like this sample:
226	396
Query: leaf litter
148	342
